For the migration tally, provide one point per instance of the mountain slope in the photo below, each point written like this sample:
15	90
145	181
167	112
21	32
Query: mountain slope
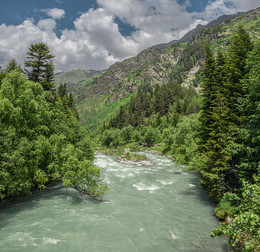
100	97
75	76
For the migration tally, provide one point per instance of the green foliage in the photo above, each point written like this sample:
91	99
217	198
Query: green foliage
243	230
67	100
40	142
249	107
12	65
127	133
228	206
150	135
182	141
219	141
111	138
239	48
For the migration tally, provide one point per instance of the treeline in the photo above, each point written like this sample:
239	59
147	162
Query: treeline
221	142
41	139
149	106
150	117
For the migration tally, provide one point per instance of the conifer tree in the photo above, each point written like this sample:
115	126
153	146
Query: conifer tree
214	126
39	65
2	75
13	65
249	107
240	46
208	86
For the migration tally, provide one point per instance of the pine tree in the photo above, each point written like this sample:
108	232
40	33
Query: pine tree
39	65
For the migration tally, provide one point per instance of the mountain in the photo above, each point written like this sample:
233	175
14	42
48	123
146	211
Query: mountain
99	97
75	76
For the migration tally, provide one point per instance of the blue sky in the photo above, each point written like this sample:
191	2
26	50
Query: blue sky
93	34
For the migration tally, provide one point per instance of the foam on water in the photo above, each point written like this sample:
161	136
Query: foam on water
166	182
174	237
142	187
50	240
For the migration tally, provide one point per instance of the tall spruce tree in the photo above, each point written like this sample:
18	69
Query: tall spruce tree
207	91
240	47
249	107
214	126
40	66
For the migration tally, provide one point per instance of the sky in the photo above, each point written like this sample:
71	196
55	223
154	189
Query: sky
94	34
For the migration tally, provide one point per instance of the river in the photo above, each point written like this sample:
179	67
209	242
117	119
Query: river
154	207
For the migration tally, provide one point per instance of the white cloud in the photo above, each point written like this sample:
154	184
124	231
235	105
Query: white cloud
54	13
219	7
47	25
149	15
96	41
245	4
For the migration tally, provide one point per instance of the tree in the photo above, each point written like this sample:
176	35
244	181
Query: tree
2	75
214	127
39	65
208	85
249	107
13	65
239	48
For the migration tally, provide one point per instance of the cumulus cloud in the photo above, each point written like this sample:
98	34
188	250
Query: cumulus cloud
54	13
219	7
47	25
149	15
95	42
245	5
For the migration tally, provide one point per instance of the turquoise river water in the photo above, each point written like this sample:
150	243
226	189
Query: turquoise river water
150	207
